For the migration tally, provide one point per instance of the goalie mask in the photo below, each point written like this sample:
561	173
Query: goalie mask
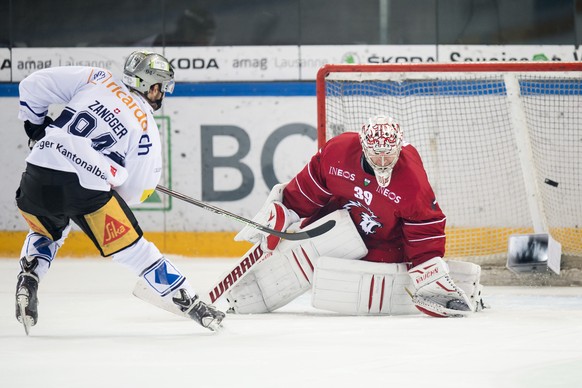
381	140
143	69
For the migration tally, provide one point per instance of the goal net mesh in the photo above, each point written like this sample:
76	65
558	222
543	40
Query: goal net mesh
477	152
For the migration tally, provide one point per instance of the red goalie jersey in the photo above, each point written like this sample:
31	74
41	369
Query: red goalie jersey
399	223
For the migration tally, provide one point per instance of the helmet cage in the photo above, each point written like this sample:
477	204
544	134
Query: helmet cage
381	138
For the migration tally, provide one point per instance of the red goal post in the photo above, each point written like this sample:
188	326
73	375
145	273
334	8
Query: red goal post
501	142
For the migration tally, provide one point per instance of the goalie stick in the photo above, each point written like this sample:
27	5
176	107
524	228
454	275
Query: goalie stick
254	256
300	235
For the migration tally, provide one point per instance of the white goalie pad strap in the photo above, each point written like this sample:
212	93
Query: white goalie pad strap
289	271
467	276
355	287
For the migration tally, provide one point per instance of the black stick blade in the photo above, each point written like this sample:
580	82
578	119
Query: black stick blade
303	234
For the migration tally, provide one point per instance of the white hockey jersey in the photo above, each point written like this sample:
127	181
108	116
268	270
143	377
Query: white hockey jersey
106	134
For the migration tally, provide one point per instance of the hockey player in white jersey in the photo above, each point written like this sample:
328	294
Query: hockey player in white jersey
101	155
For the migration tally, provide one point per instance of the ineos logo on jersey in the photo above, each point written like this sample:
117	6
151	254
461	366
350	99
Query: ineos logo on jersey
388	194
342	173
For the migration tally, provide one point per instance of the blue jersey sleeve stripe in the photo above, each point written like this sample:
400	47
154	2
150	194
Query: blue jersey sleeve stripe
42	114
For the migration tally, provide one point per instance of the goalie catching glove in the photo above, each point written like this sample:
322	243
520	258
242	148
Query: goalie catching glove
273	215
436	293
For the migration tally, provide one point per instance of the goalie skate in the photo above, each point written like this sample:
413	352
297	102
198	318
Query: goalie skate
205	314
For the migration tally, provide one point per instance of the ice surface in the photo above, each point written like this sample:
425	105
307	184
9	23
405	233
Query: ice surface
93	333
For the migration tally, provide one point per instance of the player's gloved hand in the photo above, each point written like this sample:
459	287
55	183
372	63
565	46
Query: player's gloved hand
35	132
436	293
275	216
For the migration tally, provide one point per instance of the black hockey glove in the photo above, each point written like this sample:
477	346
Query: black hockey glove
36	132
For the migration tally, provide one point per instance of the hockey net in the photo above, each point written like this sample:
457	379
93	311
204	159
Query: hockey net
501	142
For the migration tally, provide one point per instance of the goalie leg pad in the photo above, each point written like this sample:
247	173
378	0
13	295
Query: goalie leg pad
354	287
467	277
288	273
274	283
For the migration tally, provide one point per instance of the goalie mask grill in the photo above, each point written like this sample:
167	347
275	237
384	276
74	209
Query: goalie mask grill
381	139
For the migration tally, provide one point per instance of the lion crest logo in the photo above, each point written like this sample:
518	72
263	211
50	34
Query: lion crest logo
368	220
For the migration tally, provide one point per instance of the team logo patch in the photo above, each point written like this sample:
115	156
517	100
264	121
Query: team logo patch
163	277
366	181
368	221
35	225
111	228
98	76
114	230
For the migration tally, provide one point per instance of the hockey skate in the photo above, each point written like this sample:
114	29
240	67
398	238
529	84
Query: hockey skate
205	314
26	290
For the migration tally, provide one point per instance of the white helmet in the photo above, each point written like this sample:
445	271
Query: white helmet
381	140
143	69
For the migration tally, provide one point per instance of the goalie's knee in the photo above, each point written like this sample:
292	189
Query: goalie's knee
288	272
274	283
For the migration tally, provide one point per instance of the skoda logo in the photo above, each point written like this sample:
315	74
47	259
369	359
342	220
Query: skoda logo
351	58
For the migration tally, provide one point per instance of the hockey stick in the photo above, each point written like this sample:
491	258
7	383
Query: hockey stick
300	235
227	280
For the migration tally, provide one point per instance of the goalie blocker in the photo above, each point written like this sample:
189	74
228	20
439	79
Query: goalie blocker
328	265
